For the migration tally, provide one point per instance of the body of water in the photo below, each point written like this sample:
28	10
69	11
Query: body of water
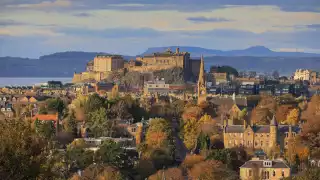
29	81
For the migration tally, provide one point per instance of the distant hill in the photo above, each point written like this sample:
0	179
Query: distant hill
61	64
258	58
256	51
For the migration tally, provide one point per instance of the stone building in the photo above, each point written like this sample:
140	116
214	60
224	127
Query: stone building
264	169
302	74
167	60
259	137
99	68
107	63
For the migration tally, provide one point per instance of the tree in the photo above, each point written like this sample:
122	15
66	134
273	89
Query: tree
282	113
171	173
161	158
45	128
191	132
191	160
70	124
100	172
97	122
78	158
22	151
308	174
293	117
55	105
110	153
158	134
222	155
193	112
93	103
211	170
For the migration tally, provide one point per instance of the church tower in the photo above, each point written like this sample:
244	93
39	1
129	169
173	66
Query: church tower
273	132
202	91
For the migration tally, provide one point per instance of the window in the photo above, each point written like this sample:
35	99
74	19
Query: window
261	135
250	172
282	173
256	143
133	129
274	173
261	143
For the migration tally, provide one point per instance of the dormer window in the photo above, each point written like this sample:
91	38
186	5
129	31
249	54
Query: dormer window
267	163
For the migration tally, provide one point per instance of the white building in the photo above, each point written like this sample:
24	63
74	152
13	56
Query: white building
302	74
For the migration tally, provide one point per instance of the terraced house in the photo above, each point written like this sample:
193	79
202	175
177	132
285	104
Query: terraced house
260	137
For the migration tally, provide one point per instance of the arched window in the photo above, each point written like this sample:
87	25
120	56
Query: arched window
282	173
274	173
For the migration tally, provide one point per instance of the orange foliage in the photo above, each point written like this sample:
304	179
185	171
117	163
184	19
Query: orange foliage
171	173
193	112
191	160
303	152
156	139
205	169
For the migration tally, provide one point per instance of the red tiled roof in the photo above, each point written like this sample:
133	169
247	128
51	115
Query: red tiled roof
46	117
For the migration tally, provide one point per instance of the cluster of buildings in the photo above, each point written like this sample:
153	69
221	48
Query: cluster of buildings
102	65
307	75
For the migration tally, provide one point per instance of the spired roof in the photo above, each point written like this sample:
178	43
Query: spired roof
273	121
259	163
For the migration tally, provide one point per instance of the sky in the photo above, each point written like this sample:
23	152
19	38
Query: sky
32	28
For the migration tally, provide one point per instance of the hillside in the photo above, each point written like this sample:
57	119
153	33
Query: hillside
64	64
256	51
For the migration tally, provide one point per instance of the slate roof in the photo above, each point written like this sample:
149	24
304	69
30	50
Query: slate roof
275	164
235	129
261	129
285	128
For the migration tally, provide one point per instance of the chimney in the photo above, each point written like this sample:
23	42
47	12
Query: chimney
177	50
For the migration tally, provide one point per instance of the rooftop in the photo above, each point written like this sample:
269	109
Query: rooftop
259	163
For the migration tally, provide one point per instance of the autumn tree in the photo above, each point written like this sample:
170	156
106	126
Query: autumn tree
100	172
212	170
190	133
282	113
171	173
98	123
159	133
22	151
293	117
193	112
192	159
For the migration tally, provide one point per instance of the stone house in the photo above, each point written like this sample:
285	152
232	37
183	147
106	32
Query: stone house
264	169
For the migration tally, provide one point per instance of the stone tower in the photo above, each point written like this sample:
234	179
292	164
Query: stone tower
202	91
273	132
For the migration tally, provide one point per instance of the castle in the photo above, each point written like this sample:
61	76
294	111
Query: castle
259	137
167	60
102	65
99	68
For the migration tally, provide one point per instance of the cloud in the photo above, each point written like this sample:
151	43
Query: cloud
82	14
314	26
10	23
42	4
111	33
181	5
202	19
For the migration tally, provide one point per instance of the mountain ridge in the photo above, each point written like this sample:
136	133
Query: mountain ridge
64	64
257	51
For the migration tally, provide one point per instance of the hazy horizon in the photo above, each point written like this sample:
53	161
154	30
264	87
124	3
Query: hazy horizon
32	28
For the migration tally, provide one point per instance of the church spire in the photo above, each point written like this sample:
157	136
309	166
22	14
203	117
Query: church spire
202	91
